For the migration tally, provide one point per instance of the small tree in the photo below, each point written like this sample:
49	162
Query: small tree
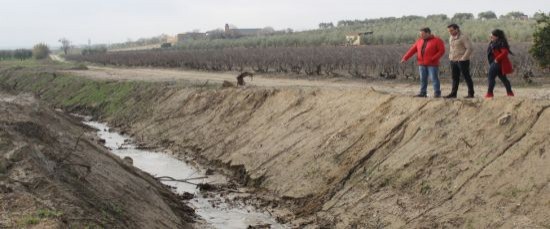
514	15
462	16
40	51
325	25
65	45
22	54
5	54
487	15
441	17
541	41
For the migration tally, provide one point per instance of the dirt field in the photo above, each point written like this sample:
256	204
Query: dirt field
54	174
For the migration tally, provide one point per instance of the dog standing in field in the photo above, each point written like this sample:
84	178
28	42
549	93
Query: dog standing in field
240	78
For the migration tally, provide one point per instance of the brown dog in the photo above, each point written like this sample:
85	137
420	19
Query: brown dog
240	78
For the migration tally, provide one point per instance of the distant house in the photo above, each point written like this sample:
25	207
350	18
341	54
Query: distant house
172	39
524	18
182	37
230	32
356	38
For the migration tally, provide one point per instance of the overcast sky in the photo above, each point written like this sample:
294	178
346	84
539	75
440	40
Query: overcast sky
24	23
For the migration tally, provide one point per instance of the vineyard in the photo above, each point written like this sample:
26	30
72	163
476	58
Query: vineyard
329	61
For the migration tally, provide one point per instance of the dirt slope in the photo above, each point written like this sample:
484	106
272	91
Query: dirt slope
53	174
347	157
372	159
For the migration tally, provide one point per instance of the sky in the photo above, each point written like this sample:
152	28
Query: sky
24	23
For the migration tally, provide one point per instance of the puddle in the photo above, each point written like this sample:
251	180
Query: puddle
162	164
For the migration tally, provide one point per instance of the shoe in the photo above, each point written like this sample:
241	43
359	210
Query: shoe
469	97
437	96
489	95
450	96
511	94
421	95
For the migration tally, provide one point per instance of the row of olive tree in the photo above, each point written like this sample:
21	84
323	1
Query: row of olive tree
332	61
19	54
39	51
384	32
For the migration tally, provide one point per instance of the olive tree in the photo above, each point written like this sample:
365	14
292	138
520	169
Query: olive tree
541	41
40	51
65	45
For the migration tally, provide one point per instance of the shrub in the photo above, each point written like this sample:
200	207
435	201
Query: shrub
22	54
40	51
541	41
6	54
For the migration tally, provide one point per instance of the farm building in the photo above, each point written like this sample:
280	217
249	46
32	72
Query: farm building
356	38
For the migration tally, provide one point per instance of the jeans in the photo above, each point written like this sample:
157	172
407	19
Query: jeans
494	71
433	72
461	67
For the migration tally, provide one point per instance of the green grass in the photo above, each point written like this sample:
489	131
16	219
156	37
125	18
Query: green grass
46	213
38	216
511	192
39	64
118	100
425	188
29	220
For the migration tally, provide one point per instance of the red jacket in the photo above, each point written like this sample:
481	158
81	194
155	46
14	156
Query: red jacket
501	56
435	48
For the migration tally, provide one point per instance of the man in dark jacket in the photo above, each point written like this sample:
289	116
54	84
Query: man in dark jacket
460	50
429	49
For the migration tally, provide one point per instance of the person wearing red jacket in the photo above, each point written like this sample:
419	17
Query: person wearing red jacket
499	64
429	49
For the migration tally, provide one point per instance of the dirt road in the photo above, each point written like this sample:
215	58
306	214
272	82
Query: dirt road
542	91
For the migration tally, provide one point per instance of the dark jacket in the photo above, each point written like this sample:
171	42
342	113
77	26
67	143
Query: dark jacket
434	50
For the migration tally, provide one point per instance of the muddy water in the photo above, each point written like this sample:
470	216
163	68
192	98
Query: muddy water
161	164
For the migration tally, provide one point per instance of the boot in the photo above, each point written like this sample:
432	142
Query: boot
421	95
450	96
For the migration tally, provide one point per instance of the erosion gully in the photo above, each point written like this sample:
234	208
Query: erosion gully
212	208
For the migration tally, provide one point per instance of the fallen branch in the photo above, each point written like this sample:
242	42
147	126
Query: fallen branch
167	178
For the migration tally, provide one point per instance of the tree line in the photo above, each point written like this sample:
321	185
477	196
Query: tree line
19	54
384	31
39	51
334	60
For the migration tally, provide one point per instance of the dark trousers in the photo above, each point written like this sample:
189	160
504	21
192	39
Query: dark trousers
461	67
494	71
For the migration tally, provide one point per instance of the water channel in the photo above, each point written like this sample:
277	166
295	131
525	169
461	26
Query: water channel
218	215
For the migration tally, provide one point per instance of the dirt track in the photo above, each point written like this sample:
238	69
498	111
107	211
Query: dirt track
401	87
